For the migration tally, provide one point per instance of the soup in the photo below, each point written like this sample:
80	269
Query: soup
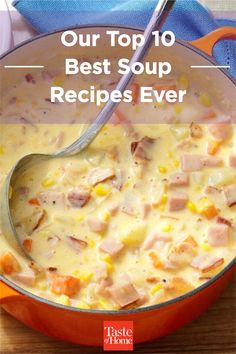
146	213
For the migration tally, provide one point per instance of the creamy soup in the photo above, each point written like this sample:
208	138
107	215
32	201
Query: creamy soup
145	214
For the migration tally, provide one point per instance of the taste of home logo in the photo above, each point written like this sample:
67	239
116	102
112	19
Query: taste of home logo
118	335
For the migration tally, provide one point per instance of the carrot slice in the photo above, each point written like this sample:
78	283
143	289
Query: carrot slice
156	260
27	244
34	201
66	285
135	88
213	146
209	114
9	263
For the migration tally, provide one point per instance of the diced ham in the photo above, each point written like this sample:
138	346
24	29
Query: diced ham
97	225
177	201
191	163
76	243
221	220
100	174
118	181
101	272
123	291
179	180
183	253
102	287
24	278
111	246
32	222
79	197
221	131
218	235
211	161
139	149
152	238
230	195
131	204
52	198
232	160
206	263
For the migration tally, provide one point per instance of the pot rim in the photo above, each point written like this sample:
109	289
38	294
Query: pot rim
189	294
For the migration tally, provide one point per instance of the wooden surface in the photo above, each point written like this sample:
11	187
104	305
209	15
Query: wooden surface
213	333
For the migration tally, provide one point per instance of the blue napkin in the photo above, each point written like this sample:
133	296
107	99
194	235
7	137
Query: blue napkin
188	20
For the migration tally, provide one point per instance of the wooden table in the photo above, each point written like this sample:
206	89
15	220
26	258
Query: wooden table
213	333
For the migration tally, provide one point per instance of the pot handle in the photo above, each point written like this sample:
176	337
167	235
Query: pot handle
7	294
207	43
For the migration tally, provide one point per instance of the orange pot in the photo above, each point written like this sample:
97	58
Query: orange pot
86	326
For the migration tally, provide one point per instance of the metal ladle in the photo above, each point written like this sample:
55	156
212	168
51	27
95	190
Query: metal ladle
158	18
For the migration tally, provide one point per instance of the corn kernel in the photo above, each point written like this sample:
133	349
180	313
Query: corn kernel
82	275
64	300
162	208
106	216
155	288
176	163
183	81
110	267
162	169
102	189
166	227
206	247
58	80
1	150
191	207
91	243
48	183
205	100
79	218
82	305
109	262
44	233
104	304
170	155
127	183
197	188
178	108
42	285
107	258
10	192
164	199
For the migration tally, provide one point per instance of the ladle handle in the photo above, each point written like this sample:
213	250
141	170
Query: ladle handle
157	20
